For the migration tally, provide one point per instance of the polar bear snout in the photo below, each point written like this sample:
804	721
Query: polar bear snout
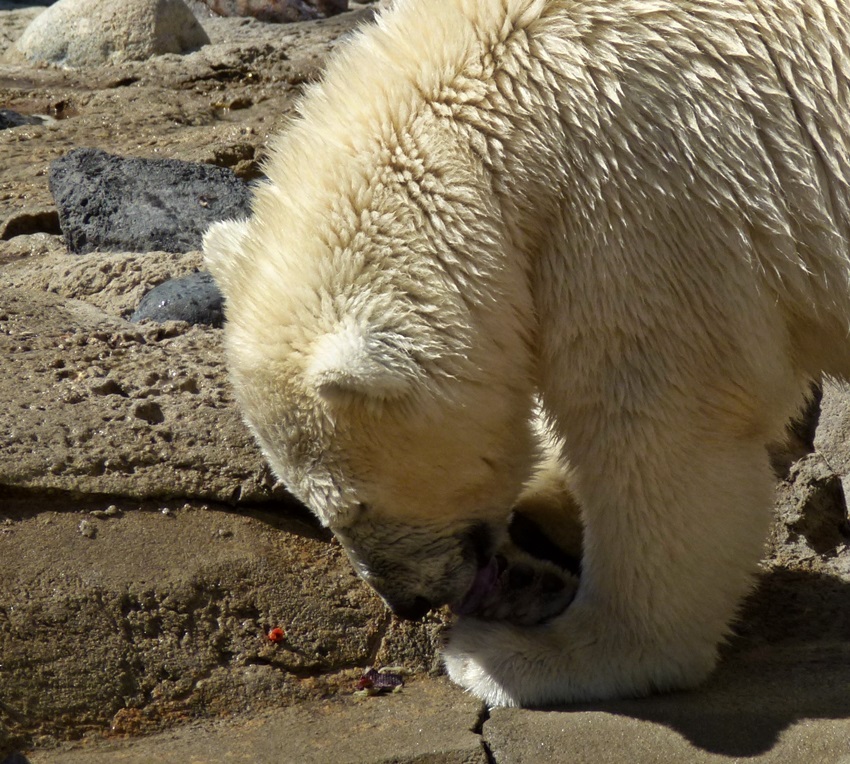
417	568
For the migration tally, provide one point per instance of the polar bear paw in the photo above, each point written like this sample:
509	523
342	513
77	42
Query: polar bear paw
578	656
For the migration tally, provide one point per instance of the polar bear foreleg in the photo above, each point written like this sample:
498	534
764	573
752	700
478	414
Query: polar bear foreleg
673	532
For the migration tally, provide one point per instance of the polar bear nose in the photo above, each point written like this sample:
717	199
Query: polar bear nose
410	611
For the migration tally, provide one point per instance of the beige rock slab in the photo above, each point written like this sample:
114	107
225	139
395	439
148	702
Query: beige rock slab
91	404
114	282
429	722
129	618
833	435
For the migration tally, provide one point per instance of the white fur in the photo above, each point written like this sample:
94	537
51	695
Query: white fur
637	209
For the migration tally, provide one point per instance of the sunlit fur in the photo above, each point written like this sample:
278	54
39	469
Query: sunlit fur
637	209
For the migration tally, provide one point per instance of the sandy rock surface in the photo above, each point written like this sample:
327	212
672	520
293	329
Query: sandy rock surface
101	406
146	550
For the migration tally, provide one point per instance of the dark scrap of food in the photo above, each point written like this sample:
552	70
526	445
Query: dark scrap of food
379	682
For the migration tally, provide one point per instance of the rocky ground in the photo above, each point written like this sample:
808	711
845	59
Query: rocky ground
146	552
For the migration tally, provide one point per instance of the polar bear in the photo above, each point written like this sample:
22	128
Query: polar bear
632	214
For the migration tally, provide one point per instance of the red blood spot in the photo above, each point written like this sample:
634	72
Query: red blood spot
276	635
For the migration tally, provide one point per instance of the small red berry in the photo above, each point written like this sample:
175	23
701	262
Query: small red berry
276	635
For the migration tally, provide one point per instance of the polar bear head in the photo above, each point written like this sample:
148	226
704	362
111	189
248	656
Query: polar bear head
390	398
380	331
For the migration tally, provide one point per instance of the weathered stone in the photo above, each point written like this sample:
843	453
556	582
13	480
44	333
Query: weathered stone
772	705
123	204
114	282
134	617
834	427
195	299
9	118
91	32
277	11
274	11
29	223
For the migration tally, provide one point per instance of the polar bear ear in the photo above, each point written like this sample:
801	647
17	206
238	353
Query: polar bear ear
364	361
223	252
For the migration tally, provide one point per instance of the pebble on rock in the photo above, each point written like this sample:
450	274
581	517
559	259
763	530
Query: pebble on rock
76	33
194	298
121	204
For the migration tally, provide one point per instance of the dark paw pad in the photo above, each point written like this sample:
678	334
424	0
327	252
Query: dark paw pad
527	592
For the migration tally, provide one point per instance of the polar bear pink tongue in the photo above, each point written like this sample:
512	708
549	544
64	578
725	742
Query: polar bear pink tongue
482	586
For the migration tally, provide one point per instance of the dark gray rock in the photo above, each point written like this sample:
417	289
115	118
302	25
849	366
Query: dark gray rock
9	118
194	298
123	204
273	11
331	7
16	758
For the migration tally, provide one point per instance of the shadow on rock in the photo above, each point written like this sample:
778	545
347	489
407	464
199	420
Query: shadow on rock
789	661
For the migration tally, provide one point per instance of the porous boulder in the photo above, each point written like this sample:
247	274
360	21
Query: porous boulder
120	204
77	33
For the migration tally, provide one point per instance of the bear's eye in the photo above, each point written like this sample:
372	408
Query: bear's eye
362	507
